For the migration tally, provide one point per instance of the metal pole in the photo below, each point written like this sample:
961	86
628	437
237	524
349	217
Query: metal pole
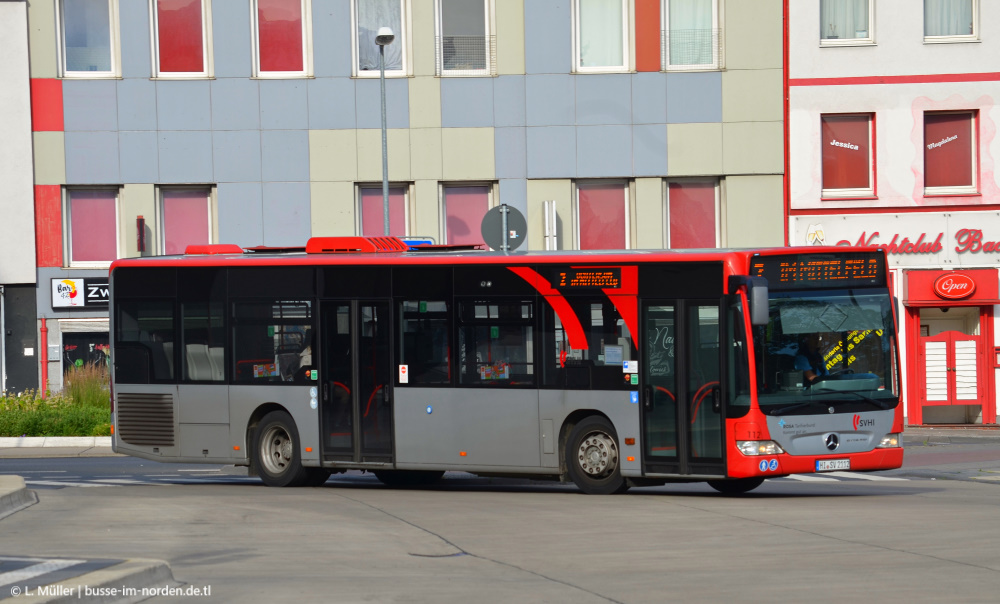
503	225
385	156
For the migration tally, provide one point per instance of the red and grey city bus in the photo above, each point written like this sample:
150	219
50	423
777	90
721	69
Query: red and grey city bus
608	369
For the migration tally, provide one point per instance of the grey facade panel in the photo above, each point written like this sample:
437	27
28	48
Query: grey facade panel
184	105
235	104
185	157
551	152
603	99
603	151
331	104
514	192
137	104
231	44
550	100
694	97
92	158
136	48
139	156
283	105
241	213
369	104
236	155
649	98
548	44
508	101
466	102
285	155
90	105
331	21
510	152
649	149
286	213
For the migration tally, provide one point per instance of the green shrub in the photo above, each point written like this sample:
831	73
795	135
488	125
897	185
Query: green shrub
81	409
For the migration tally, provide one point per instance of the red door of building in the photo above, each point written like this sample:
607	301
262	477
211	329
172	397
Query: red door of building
949	370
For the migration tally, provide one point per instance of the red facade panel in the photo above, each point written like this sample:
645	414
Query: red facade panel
48	225
647	35
46	105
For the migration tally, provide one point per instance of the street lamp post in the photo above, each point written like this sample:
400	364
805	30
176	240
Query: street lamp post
383	38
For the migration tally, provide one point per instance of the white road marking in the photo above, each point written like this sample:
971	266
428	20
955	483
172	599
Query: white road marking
30	572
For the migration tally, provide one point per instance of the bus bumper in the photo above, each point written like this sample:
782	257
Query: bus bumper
746	466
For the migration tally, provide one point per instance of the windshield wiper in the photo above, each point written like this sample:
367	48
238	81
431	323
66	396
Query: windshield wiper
790	408
880	404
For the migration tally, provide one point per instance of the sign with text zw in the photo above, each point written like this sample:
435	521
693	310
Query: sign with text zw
79	293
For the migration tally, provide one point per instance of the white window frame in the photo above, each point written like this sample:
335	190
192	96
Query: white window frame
717	46
115	28
402	39
491	202
716	184
973	37
626	42
68	230
972	189
161	223
307	54
206	45
625	185
489	42
359	213
866	41
851	193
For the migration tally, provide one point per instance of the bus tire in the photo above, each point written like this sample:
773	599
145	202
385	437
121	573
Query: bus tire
737	486
276	451
407	478
592	457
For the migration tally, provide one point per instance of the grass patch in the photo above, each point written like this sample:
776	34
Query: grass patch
81	409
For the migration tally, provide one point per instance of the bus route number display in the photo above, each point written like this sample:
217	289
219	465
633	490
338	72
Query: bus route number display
820	270
589	278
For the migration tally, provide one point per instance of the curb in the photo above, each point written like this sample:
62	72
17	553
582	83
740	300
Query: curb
14	496
137	574
17	442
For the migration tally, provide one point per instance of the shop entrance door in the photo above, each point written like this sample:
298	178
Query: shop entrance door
950	367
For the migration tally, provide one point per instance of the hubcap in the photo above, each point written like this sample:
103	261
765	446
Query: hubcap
276	450
598	455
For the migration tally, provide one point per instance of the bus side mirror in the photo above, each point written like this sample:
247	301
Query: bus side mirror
756	296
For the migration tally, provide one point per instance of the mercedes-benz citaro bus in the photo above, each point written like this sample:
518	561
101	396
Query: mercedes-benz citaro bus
608	369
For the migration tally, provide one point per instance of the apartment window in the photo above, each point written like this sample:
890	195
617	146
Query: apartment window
185	219
950	20
602	216
848	160
181	40
369	16
950	153
692	214
92	236
465	44
281	38
691	37
845	22
601	35
464	208
372	211
89	37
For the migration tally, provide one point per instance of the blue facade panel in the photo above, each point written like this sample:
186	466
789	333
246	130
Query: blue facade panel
137	104
510	152
241	213
139	157
548	44
649	98
603	151
331	38
283	105
466	102
694	97
331	104
90	105
508	101
603	99
236	155
649	149
91	158
369	104
136	45
514	192
186	157
551	152
285	155
183	105
287	214
231	42
550	100
235	104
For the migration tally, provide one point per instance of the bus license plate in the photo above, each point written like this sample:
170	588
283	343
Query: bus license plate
829	465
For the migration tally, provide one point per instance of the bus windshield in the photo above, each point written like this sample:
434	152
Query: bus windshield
833	349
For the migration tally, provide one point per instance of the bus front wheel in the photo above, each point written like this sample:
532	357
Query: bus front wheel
592	457
277	451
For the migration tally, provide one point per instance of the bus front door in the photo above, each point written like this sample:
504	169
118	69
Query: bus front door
682	402
356	412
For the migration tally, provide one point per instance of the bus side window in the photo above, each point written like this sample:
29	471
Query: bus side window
496	343
272	341
609	345
144	341
426	346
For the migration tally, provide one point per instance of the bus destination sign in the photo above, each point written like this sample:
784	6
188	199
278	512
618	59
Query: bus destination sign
850	269
604	277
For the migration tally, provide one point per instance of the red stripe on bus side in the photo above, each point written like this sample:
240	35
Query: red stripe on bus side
570	322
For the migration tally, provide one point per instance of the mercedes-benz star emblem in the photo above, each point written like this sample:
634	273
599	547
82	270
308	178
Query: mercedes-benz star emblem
832	441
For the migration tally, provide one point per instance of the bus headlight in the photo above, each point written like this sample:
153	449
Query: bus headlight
889	441
759	447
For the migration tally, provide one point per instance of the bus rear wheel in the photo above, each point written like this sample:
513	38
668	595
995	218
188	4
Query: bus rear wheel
277	451
736	486
592	457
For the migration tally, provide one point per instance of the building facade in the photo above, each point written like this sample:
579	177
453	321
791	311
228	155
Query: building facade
892	142
608	124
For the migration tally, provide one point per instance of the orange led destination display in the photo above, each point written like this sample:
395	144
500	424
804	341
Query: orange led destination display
590	278
854	269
